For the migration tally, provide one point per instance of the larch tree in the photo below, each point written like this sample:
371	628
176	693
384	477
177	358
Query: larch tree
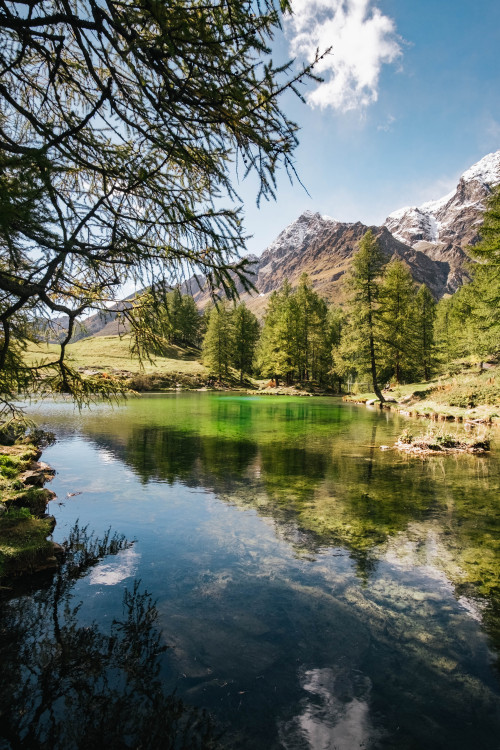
184	318
278	343
336	322
218	344
488	249
364	285
311	327
246	332
468	323
397	321
120	125
425	318
484	291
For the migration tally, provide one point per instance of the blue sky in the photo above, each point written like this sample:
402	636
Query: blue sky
400	115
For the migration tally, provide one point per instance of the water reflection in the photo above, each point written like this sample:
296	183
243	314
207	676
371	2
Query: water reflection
343	608
335	715
324	492
68	684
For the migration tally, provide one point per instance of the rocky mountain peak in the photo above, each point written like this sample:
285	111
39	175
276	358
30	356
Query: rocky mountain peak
453	219
430	239
486	171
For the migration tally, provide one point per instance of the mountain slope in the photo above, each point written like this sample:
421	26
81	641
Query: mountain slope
323	248
431	239
455	218
442	229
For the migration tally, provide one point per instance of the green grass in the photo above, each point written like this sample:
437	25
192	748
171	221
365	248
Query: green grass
23	536
23	542
466	395
439	439
111	353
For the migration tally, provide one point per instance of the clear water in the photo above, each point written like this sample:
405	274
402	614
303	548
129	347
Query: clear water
314	591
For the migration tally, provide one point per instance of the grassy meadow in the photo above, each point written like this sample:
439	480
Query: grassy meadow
112	355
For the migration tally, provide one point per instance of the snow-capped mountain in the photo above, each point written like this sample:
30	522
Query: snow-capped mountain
453	219
429	238
323	248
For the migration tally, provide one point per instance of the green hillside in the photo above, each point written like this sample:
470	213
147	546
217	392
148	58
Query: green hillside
112	354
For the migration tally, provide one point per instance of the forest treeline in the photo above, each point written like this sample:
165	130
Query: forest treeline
389	329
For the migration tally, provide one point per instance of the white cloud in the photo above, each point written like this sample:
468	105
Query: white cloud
493	128
386	127
362	40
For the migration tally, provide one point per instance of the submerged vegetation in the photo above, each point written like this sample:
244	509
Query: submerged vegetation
315	469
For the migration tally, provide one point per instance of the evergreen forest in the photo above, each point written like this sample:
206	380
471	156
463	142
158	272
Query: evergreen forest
390	330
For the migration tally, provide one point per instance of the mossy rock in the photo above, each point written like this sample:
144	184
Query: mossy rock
24	547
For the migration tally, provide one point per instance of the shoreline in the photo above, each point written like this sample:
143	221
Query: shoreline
466	418
26	550
25	526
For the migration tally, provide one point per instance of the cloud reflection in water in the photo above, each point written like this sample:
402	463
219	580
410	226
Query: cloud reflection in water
123	566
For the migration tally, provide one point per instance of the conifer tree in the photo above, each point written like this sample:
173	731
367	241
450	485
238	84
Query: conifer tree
246	333
184	318
364	305
336	322
397	322
320	347
277	346
425	317
218	343
451	337
488	250
174	312
311	331
468	323
483	294
475	319
121	123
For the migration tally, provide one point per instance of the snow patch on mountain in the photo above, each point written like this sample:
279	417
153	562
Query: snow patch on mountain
486	171
433	206
450	219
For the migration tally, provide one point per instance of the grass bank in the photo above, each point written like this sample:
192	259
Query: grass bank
181	367
467	396
24	525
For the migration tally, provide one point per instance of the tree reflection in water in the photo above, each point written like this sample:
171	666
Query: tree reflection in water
70	685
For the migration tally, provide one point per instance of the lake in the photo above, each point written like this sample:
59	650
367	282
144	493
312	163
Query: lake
313	591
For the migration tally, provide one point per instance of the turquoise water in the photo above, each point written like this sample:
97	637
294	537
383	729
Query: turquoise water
313	590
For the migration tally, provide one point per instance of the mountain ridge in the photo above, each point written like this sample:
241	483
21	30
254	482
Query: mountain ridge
431	239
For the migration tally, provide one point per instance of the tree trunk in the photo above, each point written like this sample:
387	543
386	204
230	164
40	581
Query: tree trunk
376	388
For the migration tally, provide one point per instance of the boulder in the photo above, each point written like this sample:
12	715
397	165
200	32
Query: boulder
38	474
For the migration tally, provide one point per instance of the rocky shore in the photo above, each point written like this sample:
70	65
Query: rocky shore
24	521
432	444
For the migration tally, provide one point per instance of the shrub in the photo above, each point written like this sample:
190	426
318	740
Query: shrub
406	437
